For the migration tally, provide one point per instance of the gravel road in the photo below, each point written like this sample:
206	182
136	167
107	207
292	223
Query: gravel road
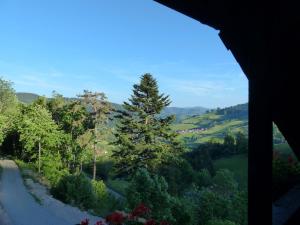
20	208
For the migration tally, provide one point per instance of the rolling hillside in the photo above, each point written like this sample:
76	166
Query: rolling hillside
26	97
180	113
213	125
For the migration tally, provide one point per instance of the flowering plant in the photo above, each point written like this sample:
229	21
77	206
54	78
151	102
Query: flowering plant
120	218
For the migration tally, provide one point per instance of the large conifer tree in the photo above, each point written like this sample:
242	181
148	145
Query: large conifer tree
143	138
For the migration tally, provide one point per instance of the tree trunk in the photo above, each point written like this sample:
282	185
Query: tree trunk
39	156
94	167
81	166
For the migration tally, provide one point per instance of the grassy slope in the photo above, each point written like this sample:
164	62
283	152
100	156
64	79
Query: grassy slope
216	128
237	164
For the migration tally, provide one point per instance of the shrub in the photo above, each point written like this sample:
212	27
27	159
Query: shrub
75	189
203	178
224	183
286	172
152	190
211	205
99	190
52	168
179	176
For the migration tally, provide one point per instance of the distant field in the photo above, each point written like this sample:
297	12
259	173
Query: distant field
237	164
216	132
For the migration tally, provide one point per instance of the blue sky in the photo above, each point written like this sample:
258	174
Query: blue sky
106	45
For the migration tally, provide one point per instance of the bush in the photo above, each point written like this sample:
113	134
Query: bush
75	189
179	176
203	178
211	205
286	173
152	190
52	168
184	212
224	183
99	190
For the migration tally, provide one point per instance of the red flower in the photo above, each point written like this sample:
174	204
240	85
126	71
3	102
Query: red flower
290	160
115	218
150	222
139	210
100	222
84	222
163	222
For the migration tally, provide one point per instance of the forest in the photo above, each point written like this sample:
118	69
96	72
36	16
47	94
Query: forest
126	164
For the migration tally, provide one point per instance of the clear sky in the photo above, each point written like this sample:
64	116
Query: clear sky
106	45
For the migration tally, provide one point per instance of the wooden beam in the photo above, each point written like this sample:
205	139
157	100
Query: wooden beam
260	155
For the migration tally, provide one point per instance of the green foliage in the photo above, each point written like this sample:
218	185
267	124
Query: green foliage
2	128
75	189
36	126
8	100
286	173
99	190
229	144
239	205
241	143
200	158
238	164
203	178
179	175
100	108
79	190
52	168
8	105
104	168
224	183
143	138
152	190
118	185
212	205
220	200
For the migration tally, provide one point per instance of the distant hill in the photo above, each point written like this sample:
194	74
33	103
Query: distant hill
26	97
180	113
213	125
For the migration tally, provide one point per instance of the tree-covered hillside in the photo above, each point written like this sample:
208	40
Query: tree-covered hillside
179	112
215	124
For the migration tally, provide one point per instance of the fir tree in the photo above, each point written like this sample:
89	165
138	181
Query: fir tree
143	138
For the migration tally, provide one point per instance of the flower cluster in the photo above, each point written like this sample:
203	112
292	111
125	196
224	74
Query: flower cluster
138	211
86	222
119	218
115	218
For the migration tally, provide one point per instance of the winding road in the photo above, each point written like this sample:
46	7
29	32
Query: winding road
20	208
